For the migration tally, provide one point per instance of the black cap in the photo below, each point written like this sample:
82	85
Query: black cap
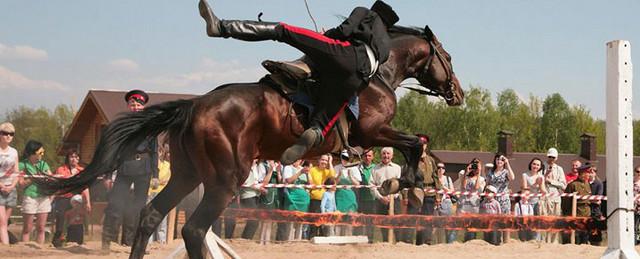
585	168
138	95
386	13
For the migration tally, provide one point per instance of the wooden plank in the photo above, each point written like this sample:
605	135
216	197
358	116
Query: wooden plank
171	225
391	213
340	240
574	209
226	248
619	146
212	245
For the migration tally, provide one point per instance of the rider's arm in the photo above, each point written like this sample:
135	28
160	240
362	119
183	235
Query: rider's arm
344	30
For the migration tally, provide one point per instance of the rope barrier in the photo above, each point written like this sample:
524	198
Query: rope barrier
432	191
469	222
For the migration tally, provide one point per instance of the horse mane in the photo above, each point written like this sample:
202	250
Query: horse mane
416	31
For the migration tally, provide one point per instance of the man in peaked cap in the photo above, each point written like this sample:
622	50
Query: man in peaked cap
136	100
581	187
138	170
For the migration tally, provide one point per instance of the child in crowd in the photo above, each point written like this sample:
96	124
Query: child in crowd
328	203
75	220
491	206
524	208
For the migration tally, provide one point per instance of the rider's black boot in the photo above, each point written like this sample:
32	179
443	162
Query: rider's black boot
310	138
237	29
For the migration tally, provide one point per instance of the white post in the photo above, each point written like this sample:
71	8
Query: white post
619	151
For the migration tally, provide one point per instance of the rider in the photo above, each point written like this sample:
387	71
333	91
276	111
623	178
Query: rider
344	59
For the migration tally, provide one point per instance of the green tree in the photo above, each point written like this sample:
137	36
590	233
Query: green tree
43	125
557	126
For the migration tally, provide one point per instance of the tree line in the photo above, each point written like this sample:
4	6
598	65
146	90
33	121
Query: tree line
47	126
536	124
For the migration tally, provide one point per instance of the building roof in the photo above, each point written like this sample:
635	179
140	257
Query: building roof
108	104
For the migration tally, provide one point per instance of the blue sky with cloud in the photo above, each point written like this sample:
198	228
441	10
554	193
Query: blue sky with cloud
52	52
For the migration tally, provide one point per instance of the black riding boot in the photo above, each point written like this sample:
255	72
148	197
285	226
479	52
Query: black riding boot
237	29
310	138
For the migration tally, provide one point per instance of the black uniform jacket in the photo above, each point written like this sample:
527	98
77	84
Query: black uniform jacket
364	26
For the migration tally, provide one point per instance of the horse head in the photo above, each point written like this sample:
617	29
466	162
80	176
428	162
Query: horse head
428	62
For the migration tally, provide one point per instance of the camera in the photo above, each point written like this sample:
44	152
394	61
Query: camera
474	165
473	168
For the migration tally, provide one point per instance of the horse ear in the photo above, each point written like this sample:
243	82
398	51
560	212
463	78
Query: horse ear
427	32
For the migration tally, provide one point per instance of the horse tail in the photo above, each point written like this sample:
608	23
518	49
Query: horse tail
120	136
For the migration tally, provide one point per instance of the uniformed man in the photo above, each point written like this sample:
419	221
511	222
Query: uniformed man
138	170
425	178
344	59
581	187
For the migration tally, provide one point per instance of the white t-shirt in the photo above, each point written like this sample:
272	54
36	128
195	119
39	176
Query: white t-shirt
348	171
289	171
8	160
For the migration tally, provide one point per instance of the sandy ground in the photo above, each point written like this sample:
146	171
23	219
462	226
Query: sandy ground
291	250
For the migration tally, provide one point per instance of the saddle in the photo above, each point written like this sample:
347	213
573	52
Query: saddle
294	80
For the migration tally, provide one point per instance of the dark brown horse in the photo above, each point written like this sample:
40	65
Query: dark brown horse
215	137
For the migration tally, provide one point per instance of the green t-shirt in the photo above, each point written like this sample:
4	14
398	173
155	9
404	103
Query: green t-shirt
365	193
30	169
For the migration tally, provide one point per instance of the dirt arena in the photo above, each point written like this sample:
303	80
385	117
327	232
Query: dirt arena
251	249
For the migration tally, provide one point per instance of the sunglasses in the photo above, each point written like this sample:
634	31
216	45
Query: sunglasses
4	133
440	167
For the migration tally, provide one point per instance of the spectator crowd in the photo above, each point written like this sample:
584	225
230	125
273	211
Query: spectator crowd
542	176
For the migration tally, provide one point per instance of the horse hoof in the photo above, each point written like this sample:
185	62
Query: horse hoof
390	186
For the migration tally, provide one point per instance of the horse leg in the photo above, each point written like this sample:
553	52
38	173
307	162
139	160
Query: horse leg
215	200
181	183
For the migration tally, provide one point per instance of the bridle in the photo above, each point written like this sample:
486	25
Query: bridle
434	51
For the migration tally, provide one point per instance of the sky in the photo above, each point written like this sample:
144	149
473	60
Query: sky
53	52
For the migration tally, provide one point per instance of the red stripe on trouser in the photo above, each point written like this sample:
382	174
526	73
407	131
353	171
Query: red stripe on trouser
314	35
333	120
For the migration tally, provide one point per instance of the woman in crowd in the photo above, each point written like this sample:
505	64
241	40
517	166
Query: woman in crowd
269	197
8	178
34	203
500	177
474	182
346	198
296	199
62	203
446	205
164	173
533	184
597	188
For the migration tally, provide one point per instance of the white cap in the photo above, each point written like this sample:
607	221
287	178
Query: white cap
491	188
76	198
345	154
552	152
